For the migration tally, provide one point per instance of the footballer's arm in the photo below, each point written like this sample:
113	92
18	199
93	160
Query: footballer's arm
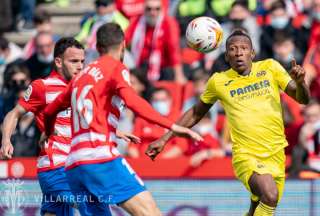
8	127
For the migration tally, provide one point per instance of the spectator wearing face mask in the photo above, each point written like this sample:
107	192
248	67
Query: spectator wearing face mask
306	155
161	101
105	12
207	149
24	138
239	17
9	52
154	41
284	50
16	81
280	21
39	64
315	26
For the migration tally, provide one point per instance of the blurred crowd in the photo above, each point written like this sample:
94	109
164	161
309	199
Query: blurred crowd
167	73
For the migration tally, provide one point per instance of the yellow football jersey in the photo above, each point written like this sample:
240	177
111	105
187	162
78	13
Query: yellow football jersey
252	105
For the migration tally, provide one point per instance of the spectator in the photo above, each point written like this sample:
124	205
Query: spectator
312	67
105	12
284	50
5	16
25	137
42	22
27	8
239	17
315	26
40	62
130	8
208	148
280	22
18	79
306	155
9	52
155	43
161	100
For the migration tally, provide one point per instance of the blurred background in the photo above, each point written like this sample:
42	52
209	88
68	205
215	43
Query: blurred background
188	178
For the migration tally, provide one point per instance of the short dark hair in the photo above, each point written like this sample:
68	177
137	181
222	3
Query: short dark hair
238	32
280	4
4	43
41	16
109	35
63	44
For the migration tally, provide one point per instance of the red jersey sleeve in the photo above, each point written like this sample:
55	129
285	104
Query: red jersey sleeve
62	102
133	101
34	97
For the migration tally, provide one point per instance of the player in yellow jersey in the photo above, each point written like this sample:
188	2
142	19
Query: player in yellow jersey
250	94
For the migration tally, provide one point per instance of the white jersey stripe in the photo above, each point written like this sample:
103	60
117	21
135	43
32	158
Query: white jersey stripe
63	130
43	161
59	159
61	146
51	96
113	120
112	137
87	137
54	81
87	154
118	103
64	114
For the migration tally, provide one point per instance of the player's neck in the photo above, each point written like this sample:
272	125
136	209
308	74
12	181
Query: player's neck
114	54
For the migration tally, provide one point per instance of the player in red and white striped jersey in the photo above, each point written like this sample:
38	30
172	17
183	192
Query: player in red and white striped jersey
97	96
68	61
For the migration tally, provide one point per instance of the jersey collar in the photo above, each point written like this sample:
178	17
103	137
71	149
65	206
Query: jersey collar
55	74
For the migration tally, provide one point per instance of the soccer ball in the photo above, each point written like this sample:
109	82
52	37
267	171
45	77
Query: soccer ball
204	34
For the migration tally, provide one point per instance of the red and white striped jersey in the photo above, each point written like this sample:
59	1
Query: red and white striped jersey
98	95
39	94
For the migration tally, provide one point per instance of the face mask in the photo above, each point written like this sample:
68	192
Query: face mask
2	60
285	60
105	18
45	59
316	16
279	22
162	107
204	129
19	86
151	21
237	22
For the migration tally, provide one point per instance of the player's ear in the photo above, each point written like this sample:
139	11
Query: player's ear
226	57
58	62
253	54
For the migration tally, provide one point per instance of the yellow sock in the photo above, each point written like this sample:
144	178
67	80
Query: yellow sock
264	210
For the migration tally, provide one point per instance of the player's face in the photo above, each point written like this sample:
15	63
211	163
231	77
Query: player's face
240	54
72	62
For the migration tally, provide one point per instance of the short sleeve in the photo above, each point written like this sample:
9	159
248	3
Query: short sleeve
34	97
209	96
280	75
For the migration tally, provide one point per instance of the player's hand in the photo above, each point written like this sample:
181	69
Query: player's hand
42	141
6	150
297	72
185	132
128	137
155	148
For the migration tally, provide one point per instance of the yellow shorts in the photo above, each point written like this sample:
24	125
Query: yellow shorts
245	164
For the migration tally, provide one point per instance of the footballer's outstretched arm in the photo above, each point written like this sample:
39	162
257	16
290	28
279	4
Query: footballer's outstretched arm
8	127
145	110
188	119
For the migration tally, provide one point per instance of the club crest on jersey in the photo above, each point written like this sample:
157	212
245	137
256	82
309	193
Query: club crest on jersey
126	76
261	73
27	93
